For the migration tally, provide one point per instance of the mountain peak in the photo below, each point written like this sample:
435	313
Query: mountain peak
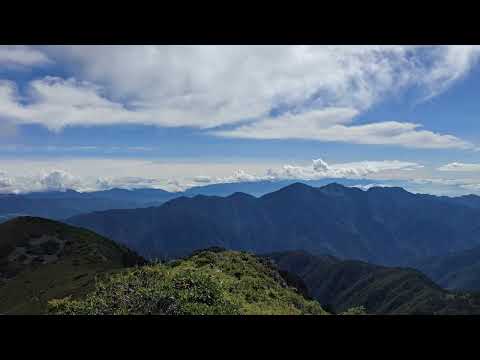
298	186
334	186
240	195
388	189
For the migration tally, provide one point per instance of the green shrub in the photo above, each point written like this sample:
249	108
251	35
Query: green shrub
357	310
207	283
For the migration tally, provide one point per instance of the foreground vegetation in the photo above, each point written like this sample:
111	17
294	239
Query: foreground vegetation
207	283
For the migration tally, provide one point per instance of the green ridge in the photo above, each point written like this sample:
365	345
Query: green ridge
206	283
42	259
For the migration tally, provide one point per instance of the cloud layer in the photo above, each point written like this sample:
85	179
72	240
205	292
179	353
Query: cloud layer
102	174
315	92
150	175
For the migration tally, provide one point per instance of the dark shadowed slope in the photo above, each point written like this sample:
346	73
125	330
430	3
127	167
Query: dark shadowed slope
42	259
381	225
340	285
460	270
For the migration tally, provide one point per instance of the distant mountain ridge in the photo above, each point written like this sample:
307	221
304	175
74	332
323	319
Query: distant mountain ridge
339	285
384	225
59	205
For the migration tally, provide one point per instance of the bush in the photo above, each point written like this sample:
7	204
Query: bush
207	283
357	310
150	290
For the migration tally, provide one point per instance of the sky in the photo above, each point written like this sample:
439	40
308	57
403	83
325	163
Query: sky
96	117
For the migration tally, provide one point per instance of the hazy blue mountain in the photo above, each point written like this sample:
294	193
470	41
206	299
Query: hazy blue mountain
382	225
56	206
259	188
339	285
62	204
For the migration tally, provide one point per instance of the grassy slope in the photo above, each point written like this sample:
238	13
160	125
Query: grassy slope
84	256
208	282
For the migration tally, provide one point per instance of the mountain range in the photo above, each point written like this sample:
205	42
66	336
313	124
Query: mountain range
59	205
51	267
62	204
384	225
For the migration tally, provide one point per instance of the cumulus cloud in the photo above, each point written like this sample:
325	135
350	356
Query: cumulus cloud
320	89
55	180
458	166
319	169
5	181
58	180
126	182
369	186
61	180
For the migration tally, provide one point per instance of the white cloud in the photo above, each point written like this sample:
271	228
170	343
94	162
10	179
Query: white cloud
369	186
58	180
19	55
451	63
458	166
442	186
55	180
126	182
219	76
5	181
319	169
331	124
57	103
471	187
324	88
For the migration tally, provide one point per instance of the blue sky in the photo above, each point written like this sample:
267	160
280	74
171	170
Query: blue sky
93	117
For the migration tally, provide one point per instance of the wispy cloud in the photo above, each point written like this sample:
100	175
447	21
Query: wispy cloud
458	166
334	124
